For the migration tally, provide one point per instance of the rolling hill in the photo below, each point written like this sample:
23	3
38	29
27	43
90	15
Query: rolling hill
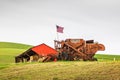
103	69
9	50
14	45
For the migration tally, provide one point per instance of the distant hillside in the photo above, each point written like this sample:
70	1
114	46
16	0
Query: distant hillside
14	45
103	57
8	50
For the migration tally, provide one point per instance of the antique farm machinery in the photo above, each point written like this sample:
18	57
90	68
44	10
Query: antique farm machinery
69	49
77	49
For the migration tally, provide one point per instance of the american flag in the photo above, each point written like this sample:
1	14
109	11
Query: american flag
59	29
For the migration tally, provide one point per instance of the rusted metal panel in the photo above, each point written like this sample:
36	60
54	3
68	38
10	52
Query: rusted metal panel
79	48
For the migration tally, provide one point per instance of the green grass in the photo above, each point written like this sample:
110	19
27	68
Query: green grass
7	55
9	50
14	45
73	70
103	69
104	57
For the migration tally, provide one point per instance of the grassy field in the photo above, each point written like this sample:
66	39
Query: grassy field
14	45
105	57
7	54
62	71
106	68
9	50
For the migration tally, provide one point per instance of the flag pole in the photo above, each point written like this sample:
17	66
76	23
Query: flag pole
57	33
59	30
57	36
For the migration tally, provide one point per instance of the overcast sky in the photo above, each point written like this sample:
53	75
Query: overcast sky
34	21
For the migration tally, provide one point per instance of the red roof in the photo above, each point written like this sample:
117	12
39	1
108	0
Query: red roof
44	50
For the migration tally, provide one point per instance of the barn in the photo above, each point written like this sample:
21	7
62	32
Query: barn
41	52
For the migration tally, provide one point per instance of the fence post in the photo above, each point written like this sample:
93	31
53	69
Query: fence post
114	58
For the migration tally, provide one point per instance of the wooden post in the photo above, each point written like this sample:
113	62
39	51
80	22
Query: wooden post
114	58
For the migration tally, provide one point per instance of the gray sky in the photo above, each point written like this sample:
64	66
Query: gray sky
34	21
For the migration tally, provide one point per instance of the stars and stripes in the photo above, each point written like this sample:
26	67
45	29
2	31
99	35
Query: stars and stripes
59	29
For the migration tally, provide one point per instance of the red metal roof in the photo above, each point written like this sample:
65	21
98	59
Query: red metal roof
44	50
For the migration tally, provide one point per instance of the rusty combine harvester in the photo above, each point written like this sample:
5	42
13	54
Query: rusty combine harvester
77	49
